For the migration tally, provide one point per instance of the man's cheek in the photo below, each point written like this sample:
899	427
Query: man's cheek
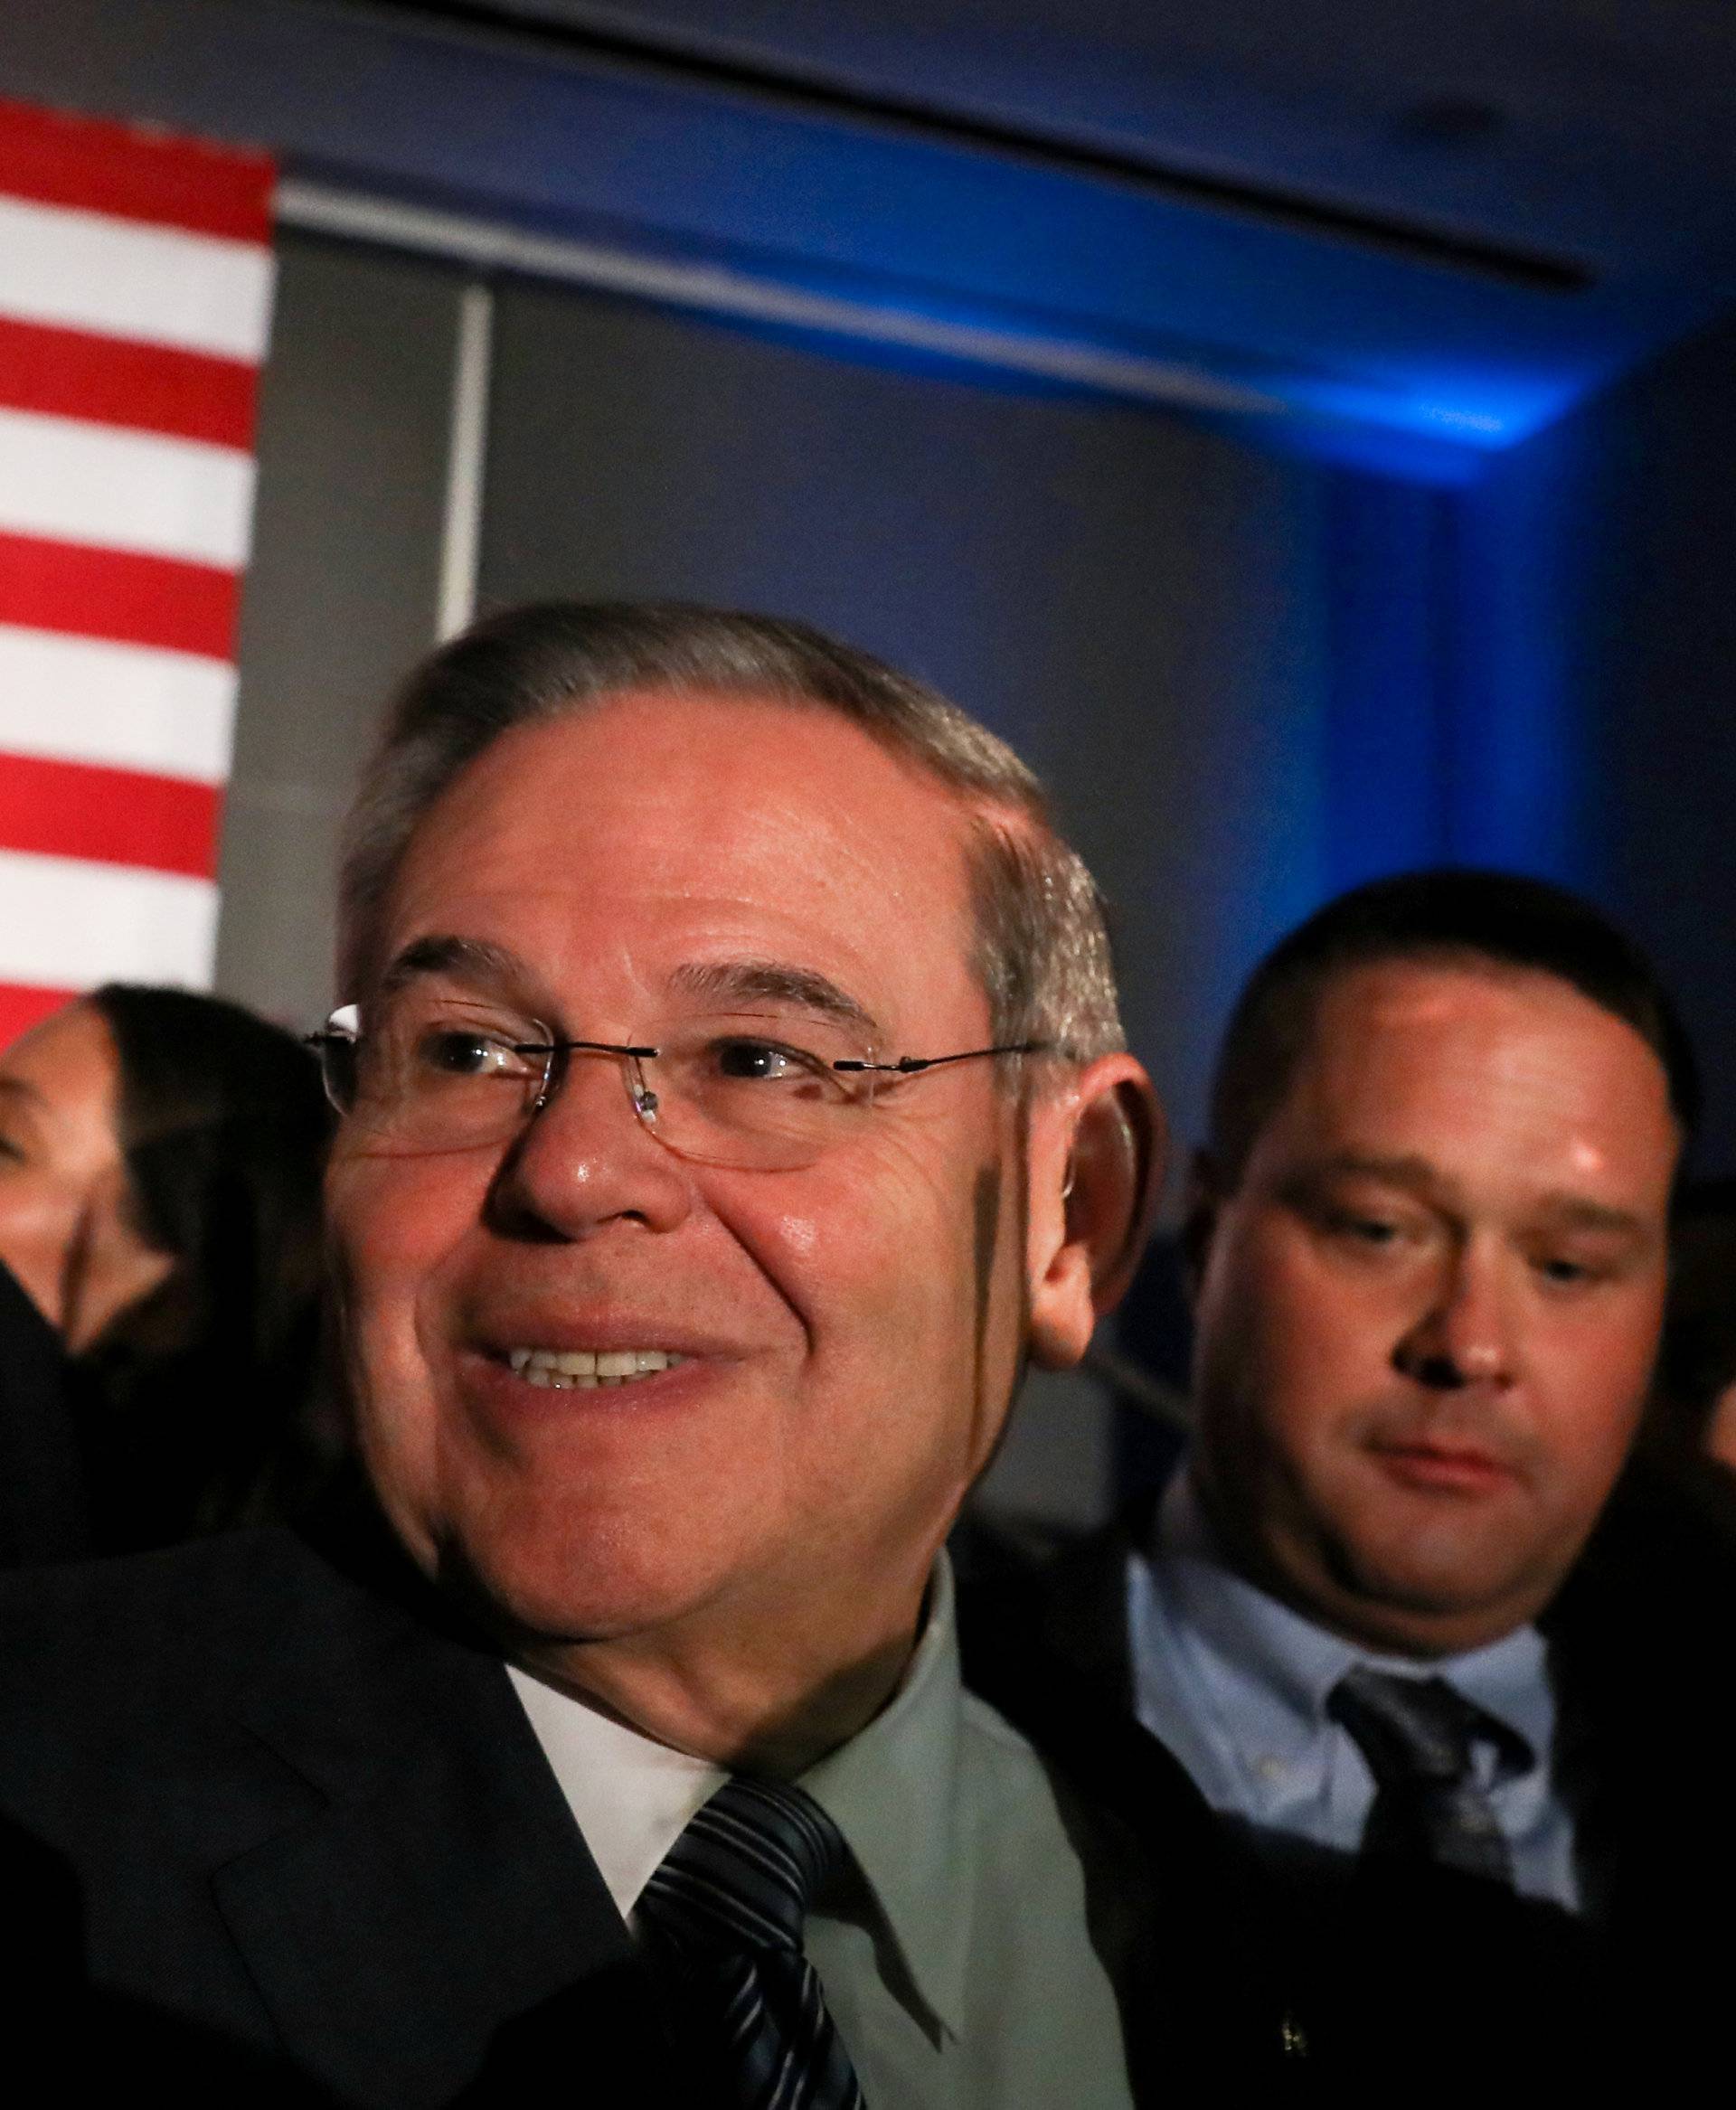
841	1249
1321	1353
392	1220
386	1244
359	1218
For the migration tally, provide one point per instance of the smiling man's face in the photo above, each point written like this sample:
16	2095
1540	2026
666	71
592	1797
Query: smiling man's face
1427	1312
847	1330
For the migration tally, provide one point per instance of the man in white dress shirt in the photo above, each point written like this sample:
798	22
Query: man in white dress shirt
733	1098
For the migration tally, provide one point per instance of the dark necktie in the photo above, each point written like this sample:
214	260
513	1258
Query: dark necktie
1419	1737
727	1907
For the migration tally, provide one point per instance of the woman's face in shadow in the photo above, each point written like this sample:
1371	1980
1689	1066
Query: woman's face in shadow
66	1221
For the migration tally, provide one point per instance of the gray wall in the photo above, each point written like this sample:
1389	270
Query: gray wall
340	596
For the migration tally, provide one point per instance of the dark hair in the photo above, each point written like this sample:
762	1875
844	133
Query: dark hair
195	1403
1042	953
1481	919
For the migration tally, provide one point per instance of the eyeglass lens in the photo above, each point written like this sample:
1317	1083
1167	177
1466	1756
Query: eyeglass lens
728	1089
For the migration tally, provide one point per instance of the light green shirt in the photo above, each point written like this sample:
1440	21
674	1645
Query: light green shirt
967	1979
960	1971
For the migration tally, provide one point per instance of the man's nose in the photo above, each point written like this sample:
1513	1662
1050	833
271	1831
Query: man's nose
585	1159
1465	1335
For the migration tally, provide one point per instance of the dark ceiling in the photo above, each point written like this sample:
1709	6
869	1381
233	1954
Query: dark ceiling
1438	221
1600	132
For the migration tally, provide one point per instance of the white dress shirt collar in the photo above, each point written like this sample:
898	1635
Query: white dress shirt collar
631	1796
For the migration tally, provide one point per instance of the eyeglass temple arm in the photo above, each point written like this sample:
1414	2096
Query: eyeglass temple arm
908	1065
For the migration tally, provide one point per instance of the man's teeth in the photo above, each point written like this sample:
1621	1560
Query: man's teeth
566	1368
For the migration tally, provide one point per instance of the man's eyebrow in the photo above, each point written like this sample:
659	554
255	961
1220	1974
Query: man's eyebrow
745	981
18	1086
1580	1212
472	957
1354	1164
1571	1211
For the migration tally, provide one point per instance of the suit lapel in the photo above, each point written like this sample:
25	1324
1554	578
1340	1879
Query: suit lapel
404	1932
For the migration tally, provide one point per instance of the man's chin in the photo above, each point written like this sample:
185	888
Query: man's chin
1416	1596
535	1599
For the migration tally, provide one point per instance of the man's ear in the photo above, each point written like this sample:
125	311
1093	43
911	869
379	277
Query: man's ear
1097	1167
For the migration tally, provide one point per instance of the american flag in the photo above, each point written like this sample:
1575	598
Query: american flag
136	279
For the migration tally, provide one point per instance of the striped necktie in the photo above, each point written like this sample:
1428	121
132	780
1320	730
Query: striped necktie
1419	1737
726	1909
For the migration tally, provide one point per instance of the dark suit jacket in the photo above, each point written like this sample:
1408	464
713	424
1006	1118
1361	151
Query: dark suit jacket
282	1832
274	1836
1440	1978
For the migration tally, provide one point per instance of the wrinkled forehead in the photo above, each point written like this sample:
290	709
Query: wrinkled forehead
645	834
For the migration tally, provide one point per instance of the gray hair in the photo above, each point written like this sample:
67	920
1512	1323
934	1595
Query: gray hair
1041	949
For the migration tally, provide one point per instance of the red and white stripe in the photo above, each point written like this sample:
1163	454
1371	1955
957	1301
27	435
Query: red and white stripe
136	275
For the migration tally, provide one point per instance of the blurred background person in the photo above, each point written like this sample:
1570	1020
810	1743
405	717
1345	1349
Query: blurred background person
160	1160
